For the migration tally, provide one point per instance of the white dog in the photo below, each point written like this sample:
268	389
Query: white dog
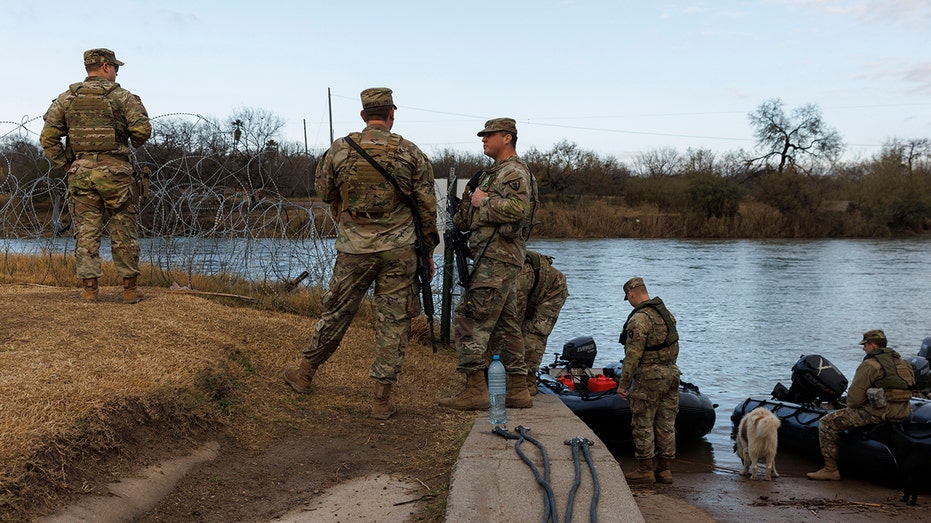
757	439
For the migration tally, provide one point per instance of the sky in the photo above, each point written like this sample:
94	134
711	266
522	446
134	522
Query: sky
619	78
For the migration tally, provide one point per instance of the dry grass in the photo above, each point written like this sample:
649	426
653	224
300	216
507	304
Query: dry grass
92	390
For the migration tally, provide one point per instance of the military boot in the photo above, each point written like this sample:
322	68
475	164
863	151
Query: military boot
474	397
662	472
300	376
644	472
828	473
91	291
532	383
383	408
517	397
130	293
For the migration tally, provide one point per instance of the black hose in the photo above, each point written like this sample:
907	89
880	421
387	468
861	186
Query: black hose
596	488
549	511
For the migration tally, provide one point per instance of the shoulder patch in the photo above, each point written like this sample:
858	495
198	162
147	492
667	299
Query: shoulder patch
514	185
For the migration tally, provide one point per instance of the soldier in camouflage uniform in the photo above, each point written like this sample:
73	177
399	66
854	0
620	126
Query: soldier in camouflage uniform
541	292
99	119
650	374
499	214
882	372
375	245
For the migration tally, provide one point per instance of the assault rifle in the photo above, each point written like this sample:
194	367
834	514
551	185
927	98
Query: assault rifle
420	246
458	241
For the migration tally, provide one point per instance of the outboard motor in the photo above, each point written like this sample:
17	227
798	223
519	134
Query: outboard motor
922	370
814	379
925	347
579	352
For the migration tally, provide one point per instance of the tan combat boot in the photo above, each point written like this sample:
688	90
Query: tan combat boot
828	473
662	472
517	397
383	408
300	376
130	293
474	397
644	472
532	383
91	291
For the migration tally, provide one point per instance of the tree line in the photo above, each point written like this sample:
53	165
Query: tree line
793	176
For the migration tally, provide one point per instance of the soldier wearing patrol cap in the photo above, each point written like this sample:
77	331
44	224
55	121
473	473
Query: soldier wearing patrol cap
375	244
880	391
100	120
650	378
498	210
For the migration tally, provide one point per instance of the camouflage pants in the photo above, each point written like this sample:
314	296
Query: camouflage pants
842	419
487	319
392	272
538	323
654	404
94	192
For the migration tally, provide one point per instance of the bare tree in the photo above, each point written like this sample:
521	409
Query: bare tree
658	163
794	138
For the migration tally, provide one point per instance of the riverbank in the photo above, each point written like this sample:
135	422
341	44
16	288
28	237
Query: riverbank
95	393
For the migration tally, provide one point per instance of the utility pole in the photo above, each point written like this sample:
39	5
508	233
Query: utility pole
329	104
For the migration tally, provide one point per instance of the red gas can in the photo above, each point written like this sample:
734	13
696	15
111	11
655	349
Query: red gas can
601	383
567	381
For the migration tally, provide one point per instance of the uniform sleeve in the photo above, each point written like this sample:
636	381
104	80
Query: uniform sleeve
508	197
54	129
638	329
862	379
137	120
325	182
425	195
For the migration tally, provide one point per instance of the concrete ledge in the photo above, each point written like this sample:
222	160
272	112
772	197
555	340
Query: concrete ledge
490	483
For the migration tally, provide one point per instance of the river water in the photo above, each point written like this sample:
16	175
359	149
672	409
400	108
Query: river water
747	309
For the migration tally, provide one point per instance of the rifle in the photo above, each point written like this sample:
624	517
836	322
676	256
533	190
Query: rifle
458	241
420	246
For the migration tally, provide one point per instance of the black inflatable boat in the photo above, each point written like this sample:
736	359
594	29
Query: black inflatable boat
591	393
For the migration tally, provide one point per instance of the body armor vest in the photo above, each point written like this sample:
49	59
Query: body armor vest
365	190
672	335
891	378
91	122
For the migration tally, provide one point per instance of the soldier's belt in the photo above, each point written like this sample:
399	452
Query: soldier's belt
369	215
98	156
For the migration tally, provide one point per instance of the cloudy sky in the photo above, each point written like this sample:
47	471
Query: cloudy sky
615	77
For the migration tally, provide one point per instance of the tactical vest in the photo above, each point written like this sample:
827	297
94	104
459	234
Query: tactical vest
672	335
91	120
364	189
891	378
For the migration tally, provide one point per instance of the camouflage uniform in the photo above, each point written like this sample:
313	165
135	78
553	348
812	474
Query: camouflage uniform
650	368
100	119
541	292
375	242
859	411
499	229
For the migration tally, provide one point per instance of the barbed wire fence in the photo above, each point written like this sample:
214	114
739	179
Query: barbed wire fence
209	214
212	210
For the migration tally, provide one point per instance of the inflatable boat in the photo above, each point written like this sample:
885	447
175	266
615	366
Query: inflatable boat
871	452
591	393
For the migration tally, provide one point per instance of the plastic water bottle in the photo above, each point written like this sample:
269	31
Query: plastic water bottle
497	385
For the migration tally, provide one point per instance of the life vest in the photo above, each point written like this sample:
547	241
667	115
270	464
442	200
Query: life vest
364	189
891	378
91	119
672	335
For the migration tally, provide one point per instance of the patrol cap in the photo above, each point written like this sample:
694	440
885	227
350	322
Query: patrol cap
377	97
499	124
873	335
633	283
100	56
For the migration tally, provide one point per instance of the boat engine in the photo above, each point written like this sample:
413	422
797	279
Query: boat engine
814	380
579	352
922	370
